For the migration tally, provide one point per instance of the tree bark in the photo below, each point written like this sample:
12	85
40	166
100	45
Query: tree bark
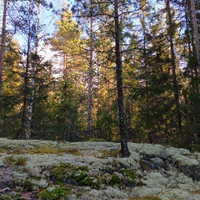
2	45
174	77
124	147
34	63
90	83
22	131
196	34
24	119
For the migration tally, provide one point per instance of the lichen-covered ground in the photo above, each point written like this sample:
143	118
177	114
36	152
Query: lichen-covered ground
95	171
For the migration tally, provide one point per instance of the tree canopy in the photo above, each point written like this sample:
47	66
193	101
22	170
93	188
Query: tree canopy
121	70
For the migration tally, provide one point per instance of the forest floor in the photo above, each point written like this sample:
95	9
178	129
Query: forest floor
50	170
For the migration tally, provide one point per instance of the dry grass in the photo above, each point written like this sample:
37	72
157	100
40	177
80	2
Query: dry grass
194	192
48	150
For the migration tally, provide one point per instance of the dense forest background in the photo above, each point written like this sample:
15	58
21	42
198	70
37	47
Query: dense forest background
76	94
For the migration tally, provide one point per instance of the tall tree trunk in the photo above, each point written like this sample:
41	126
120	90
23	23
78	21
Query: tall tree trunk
109	133
143	21
193	41
22	131
2	45
90	83
99	92
196	34
124	147
174	78
187	16
34	63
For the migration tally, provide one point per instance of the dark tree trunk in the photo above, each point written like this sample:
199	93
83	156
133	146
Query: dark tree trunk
2	45
124	147
22	131
174	78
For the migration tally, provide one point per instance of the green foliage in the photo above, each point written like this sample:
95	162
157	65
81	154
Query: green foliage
60	105
55	193
27	184
91	181
67	111
66	171
115	180
14	196
81	176
12	81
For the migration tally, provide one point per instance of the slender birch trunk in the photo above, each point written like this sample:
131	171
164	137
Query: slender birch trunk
30	110
2	45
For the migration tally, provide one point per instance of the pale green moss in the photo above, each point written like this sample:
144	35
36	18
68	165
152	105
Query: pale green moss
19	176
185	160
177	194
130	162
33	170
97	140
197	155
109	193
147	198
155	180
145	191
102	171
41	183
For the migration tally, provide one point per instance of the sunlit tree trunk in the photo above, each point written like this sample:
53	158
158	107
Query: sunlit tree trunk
90	82
187	16
124	147
2	45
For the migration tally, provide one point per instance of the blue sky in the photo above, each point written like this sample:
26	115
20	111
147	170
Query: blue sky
47	18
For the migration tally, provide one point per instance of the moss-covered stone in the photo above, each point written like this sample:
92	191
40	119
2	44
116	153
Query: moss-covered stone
64	172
